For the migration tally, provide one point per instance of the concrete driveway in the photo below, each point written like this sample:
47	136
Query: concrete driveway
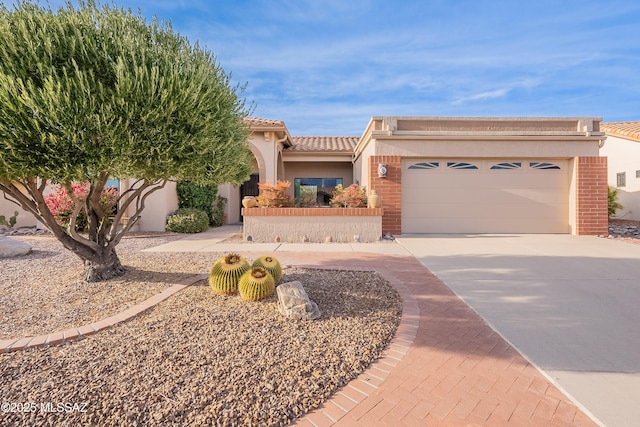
570	304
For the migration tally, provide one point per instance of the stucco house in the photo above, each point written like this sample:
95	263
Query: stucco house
623	151
436	174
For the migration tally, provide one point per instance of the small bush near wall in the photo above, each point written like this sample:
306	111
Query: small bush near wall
352	196
274	196
188	220
614	204
200	197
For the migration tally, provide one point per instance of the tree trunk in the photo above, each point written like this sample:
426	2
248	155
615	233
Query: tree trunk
107	267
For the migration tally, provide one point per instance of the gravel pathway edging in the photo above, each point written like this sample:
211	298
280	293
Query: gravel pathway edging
9	345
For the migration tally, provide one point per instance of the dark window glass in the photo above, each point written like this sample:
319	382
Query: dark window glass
314	192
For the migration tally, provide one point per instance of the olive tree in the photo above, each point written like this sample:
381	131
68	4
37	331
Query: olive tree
93	92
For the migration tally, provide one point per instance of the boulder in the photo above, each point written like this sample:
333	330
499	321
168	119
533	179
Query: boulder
11	247
294	303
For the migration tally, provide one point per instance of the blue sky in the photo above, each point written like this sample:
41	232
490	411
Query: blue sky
325	67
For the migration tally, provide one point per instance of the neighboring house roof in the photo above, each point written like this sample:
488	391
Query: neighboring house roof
628	130
324	144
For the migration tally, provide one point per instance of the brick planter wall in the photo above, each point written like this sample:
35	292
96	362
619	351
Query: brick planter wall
390	188
292	224
591	194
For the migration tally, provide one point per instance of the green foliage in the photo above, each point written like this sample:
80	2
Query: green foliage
92	91
197	196
95	88
226	272
614	204
188	220
256	284
12	220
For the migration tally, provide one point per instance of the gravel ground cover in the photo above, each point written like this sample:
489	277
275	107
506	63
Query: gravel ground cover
624	229
194	359
42	292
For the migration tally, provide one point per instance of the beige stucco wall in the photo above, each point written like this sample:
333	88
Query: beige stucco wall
7	208
267	151
158	206
561	138
232	207
510	147
317	228
624	156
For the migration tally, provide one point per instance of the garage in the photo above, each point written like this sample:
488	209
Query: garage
472	195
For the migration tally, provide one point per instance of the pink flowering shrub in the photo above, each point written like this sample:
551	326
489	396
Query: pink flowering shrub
353	196
61	205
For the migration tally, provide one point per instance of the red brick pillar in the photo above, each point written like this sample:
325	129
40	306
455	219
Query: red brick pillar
591	196
390	188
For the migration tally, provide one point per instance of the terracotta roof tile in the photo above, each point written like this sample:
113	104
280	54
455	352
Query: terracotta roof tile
254	121
628	130
324	143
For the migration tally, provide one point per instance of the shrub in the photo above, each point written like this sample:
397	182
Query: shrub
274	196
188	220
353	196
61	204
614	204
196	196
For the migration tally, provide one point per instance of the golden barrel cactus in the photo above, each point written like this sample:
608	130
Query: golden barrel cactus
256	284
271	264
226	272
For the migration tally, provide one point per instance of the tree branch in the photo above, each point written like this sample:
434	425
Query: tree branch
140	199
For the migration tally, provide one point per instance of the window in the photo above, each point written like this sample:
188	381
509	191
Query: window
313	192
461	165
543	165
637	174
424	165
507	166
621	179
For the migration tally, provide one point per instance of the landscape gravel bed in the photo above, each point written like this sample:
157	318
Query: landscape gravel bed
199	358
42	292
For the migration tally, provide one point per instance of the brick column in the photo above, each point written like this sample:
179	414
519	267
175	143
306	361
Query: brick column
390	188
591	196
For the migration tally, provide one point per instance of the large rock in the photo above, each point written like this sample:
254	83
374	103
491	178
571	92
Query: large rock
11	247
294	303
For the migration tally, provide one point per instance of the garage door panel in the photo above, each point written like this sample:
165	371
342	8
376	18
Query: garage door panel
485	200
479	211
488	226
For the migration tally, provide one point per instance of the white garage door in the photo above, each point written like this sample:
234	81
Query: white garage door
485	196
